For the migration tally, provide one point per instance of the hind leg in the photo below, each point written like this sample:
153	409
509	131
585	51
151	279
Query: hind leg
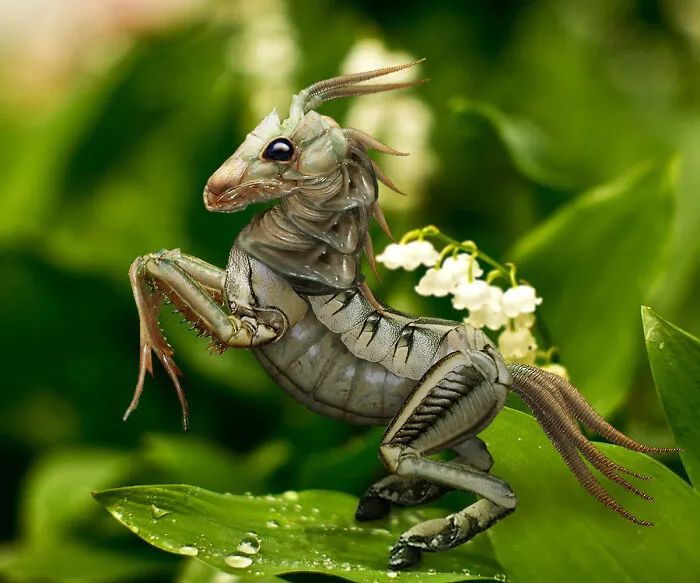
407	492
460	393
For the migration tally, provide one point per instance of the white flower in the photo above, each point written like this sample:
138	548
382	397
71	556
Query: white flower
471	295
458	266
409	255
486	316
477	294
443	280
521	299
518	345
435	282
557	369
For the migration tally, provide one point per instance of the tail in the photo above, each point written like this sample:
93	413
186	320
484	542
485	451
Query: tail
557	406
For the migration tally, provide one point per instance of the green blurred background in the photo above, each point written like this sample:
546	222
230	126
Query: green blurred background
114	113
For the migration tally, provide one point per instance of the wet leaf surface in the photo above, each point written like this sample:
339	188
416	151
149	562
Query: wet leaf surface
674	356
311	531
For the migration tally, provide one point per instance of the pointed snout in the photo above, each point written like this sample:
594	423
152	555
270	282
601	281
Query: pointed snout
221	186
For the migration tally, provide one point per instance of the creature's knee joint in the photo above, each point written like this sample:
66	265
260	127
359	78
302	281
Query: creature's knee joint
393	455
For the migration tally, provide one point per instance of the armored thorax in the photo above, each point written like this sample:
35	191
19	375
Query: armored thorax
315	237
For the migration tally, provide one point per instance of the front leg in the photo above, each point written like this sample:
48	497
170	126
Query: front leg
197	289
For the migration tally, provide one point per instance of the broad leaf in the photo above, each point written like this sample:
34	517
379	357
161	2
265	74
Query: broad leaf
533	152
593	262
197	572
674	356
52	505
294	532
560	533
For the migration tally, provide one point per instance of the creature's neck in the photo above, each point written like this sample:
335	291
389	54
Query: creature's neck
316	236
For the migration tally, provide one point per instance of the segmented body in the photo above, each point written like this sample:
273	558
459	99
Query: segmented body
342	358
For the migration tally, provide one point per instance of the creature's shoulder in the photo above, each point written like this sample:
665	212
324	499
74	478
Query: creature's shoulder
253	285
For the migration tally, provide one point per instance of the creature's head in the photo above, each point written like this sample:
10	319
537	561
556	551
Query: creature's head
278	156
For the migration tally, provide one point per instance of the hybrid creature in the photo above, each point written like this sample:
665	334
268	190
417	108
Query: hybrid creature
294	294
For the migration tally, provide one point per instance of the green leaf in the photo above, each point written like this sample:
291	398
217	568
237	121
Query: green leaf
308	531
674	356
57	495
560	533
198	572
76	563
593	262
532	151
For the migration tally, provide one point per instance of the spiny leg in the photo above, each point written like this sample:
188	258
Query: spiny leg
460	393
407	492
196	288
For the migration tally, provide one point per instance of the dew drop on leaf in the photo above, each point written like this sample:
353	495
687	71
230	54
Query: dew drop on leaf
272	524
189	551
238	562
158	512
250	545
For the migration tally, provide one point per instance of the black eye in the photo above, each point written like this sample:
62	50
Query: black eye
279	150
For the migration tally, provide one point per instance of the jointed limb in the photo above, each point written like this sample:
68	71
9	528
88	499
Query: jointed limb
196	288
458	393
408	492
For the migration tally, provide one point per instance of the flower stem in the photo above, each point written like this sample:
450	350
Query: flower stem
452	245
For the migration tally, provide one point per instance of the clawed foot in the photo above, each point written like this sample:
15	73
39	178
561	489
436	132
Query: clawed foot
403	556
152	340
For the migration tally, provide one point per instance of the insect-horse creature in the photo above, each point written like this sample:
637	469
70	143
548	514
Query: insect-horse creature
293	292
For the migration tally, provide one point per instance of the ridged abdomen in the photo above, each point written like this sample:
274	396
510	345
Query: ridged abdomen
314	366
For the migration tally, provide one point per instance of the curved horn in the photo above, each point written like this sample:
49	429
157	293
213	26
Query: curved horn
348	85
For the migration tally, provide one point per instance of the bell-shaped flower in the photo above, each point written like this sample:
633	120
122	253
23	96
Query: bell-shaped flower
477	294
443	280
493	319
518	345
409	255
520	299
471	295
459	267
436	282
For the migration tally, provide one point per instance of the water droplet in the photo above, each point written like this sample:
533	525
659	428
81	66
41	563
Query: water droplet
499	577
134	529
315	511
272	524
222	577
291	495
158	512
189	551
661	345
392	574
238	562
118	515
250	545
